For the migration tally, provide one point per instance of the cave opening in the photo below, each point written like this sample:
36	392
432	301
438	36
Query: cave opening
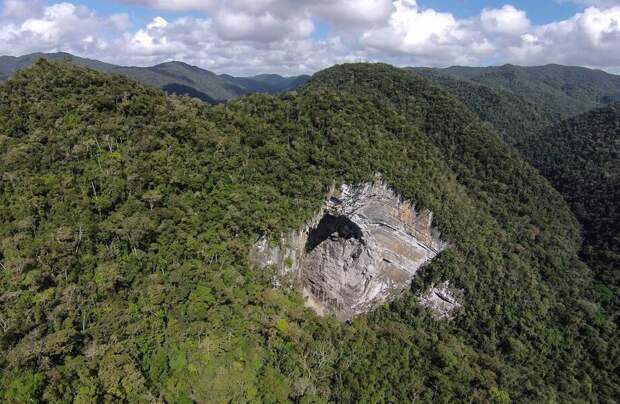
333	226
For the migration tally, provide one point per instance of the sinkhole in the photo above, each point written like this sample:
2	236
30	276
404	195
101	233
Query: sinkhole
331	227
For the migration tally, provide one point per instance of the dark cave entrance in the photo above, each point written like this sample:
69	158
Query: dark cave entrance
331	227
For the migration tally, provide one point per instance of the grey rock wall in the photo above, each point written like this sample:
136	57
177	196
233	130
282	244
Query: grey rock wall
443	300
359	251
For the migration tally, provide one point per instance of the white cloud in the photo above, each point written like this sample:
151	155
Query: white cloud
177	5
588	38
59	26
353	12
259	20
265	27
19	9
429	35
270	20
505	20
196	41
247	37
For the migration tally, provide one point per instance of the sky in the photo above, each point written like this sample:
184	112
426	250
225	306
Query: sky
246	37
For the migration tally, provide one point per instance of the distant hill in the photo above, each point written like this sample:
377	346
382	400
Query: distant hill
173	77
282	83
563	90
515	117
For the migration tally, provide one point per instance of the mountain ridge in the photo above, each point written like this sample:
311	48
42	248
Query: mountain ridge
565	90
174	77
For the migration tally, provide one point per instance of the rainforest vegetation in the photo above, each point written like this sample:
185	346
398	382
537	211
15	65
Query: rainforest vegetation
579	155
126	217
581	158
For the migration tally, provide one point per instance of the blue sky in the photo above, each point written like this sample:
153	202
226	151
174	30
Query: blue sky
540	12
139	14
301	36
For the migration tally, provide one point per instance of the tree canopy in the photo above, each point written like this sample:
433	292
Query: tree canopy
126	217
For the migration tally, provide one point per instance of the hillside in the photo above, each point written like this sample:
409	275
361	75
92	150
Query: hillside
578	155
172	77
581	158
11	64
518	119
563	90
520	102
126	217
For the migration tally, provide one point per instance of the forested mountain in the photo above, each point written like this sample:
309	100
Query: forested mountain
546	93
563	90
581	158
518	120
580	155
126	217
280	83
520	102
11	64
173	77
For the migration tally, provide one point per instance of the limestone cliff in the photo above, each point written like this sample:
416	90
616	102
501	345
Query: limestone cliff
362	248
443	300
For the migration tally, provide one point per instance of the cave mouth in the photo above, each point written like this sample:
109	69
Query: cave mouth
328	226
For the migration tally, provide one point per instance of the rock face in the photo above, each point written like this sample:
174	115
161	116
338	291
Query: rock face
362	249
443	300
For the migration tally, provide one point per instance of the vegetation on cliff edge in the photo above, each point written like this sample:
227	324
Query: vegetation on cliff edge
126	217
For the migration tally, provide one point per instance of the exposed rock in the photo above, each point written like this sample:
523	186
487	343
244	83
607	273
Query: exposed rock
362	249
443	300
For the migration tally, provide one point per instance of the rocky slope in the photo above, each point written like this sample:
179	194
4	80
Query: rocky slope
443	300
362	249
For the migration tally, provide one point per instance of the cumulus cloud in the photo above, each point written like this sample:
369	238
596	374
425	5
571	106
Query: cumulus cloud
269	20
264	27
247	37
591	38
352	11
176	5
195	40
261	20
348	12
20	10
59	26
505	20
431	36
